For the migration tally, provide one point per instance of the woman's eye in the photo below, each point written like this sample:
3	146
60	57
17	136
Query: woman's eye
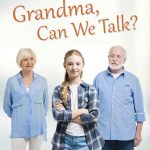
25	59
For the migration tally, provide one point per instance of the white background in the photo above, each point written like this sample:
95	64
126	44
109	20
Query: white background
94	48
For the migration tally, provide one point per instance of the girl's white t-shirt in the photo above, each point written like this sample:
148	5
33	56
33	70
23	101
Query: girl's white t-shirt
74	129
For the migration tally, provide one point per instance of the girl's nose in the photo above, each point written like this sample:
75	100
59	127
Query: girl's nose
74	66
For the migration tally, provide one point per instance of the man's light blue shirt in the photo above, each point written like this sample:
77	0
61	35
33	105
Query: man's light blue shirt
121	105
26	109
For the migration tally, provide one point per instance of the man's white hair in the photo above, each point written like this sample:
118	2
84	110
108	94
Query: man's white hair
118	47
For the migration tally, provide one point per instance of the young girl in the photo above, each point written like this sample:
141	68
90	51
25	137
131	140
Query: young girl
76	109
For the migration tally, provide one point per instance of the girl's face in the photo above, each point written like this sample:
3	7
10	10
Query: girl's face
74	66
27	64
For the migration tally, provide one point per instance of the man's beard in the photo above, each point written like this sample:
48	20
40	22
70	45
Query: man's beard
116	67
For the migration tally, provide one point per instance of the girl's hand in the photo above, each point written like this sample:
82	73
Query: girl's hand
79	112
85	111
59	106
77	120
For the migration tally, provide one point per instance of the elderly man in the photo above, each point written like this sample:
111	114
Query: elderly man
121	104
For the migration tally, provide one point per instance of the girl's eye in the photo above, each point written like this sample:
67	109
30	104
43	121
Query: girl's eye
69	64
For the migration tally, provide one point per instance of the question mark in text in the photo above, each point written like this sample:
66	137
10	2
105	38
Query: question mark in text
134	18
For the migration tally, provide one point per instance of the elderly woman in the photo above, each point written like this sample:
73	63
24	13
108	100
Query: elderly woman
26	103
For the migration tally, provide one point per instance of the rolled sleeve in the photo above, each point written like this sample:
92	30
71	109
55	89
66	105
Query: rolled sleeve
67	116
140	117
90	118
63	115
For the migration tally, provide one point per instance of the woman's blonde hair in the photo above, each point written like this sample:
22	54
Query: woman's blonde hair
64	85
24	53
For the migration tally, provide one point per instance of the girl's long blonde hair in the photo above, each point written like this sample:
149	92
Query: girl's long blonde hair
64	85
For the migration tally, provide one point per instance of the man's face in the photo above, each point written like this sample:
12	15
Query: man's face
116	58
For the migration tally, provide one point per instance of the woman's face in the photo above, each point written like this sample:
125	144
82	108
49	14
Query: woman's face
27	64
74	66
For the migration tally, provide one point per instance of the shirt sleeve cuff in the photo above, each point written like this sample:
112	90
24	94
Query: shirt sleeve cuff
140	117
67	116
83	118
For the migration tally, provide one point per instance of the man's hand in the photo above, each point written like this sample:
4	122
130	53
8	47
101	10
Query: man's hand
138	138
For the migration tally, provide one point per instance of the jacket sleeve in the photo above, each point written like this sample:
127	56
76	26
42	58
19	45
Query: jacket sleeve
7	103
63	115
93	107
